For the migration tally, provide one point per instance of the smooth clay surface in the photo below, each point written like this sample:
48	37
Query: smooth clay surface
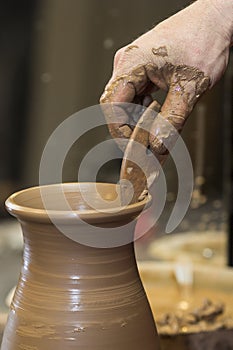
72	296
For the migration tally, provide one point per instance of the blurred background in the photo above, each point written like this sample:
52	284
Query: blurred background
55	59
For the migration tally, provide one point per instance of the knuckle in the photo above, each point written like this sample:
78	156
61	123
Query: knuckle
118	55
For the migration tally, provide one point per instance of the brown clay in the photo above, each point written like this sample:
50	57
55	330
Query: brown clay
131	47
185	84
200	318
140	173
160	51
72	296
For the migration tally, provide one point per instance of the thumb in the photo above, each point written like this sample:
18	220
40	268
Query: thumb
184	91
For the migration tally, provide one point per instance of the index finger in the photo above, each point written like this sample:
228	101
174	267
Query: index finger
119	93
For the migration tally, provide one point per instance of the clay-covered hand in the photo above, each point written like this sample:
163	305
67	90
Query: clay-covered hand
184	55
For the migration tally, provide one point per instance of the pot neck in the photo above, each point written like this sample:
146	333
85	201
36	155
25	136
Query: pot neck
51	257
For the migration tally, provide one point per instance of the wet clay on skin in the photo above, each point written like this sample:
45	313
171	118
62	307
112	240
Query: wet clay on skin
143	171
184	84
73	296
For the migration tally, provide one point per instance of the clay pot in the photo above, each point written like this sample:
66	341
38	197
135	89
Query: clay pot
71	295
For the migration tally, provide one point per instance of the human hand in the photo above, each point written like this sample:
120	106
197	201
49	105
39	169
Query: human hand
184	55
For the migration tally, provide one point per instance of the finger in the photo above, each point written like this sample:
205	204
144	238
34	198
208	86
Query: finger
125	87
118	90
118	93
185	89
137	173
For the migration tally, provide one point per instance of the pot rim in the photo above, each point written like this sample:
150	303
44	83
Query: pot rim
17	205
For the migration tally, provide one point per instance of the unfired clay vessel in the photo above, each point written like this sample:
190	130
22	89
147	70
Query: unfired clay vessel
71	295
